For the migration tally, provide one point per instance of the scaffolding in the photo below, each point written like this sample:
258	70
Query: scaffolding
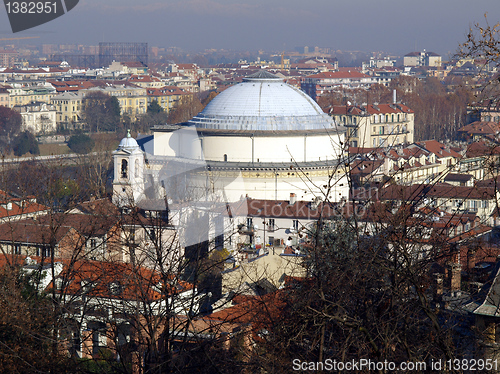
122	52
74	60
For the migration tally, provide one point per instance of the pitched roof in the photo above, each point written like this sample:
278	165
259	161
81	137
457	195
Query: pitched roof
119	281
369	109
439	149
482	148
351	73
481	128
440	190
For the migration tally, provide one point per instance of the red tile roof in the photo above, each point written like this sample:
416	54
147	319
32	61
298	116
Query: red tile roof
119	281
350	73
442	190
481	128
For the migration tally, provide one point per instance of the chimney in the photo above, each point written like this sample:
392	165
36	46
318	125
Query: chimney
455	276
293	198
394	96
438	286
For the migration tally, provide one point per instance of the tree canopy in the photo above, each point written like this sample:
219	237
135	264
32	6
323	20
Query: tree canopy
10	125
24	143
154	107
81	143
101	112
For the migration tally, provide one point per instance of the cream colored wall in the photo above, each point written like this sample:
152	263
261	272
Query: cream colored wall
267	185
272	149
270	267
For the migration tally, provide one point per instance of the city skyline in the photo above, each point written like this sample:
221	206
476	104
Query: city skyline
194	25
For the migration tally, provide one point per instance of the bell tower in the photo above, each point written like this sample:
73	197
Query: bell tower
128	180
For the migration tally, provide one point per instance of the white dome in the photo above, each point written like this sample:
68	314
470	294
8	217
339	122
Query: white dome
262	102
128	143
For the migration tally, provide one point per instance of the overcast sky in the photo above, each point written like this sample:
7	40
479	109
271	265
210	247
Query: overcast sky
393	26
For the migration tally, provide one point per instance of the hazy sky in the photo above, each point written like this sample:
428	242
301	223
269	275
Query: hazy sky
394	26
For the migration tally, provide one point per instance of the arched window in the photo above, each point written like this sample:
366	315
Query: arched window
124	168
392	117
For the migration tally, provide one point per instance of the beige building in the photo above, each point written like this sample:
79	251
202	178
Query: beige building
8	58
146	81
422	59
453	199
25	93
38	118
133	100
4	96
167	97
376	125
68	106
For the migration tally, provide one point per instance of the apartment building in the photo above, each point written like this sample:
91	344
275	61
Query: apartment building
376	125
38	118
167	97
25	92
322	83
133	100
68	106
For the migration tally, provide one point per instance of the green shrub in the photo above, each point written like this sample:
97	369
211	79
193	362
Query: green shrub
81	143
24	143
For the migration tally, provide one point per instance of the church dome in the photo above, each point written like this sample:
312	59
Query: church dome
128	143
262	102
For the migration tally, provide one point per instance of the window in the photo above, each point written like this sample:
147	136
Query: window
98	341
249	222
124	168
219	241
152	234
43	251
270	224
115	288
17	249
295	224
